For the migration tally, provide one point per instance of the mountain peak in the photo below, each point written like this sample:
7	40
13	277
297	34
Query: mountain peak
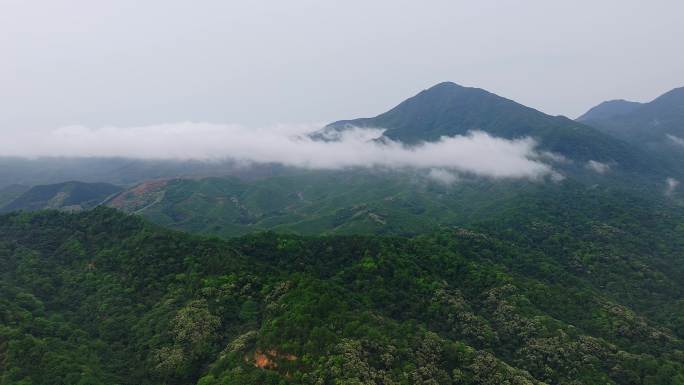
450	89
446	85
609	109
448	109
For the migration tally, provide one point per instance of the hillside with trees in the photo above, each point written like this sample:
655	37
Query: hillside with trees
105	298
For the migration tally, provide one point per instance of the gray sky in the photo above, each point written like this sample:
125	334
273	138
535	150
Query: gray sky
134	62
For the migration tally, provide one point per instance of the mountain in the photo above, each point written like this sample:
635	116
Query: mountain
608	110
366	201
381	202
448	109
653	124
99	297
355	202
64	196
325	202
11	192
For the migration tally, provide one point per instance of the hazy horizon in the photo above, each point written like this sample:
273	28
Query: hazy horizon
130	63
221	80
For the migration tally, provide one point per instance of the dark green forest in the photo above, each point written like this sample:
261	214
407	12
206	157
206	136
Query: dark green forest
583	288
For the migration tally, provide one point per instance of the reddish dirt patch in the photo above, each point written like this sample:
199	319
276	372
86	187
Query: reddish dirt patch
262	361
266	360
136	193
148	186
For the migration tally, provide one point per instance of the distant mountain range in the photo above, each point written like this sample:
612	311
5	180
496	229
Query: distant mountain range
270	197
656	127
67	196
619	136
448	109
119	171
641	123
10	193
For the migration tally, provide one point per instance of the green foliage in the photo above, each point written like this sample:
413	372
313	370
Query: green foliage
104	298
371	202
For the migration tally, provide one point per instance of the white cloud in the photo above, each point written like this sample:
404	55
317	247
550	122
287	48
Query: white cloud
443	176
477	152
598	167
671	185
675	139
553	157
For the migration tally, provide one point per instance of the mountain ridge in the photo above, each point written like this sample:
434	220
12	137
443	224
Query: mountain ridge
609	109
657	127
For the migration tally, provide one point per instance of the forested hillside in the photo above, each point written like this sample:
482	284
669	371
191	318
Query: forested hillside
10	193
104	298
644	123
656	126
68	196
352	202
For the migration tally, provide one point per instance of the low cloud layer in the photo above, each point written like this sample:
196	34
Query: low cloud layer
443	176
676	140
671	185
598	167
477	153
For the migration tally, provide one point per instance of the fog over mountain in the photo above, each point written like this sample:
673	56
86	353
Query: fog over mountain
477	152
448	127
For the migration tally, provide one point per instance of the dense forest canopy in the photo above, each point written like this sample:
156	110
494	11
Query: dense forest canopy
101	297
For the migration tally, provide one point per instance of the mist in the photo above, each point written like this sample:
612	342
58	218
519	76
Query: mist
671	185
477	153
676	140
598	167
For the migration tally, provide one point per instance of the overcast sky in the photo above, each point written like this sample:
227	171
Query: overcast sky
135	62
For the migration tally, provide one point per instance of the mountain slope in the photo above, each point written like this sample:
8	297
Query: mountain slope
648	123
103	298
449	109
318	202
657	127
64	196
10	193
